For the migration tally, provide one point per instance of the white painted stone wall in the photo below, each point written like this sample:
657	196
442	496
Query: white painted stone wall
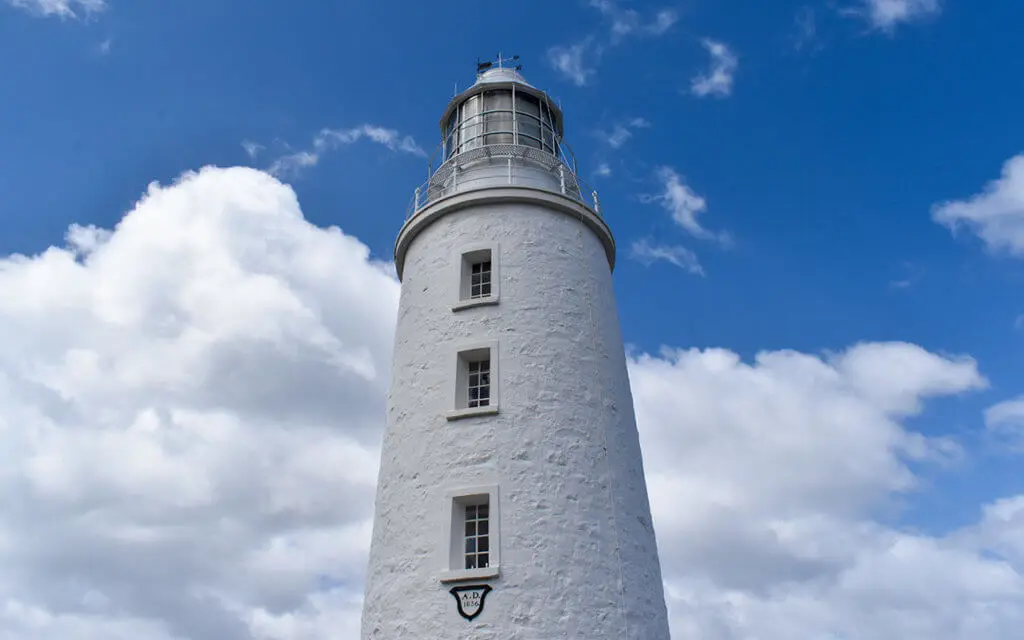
578	553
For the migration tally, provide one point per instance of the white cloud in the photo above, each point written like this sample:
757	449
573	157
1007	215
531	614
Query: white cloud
622	132
191	404
603	170
718	80
766	478
572	62
578	62
912	273
886	15
63	9
681	257
806	24
628	22
252	149
330	139
996	214
190	407
1006	421
684	204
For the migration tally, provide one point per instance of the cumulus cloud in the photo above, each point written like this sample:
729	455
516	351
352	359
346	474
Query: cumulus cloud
647	253
603	170
64	9
766	480
684	204
886	15
996	214
330	139
718	79
190	406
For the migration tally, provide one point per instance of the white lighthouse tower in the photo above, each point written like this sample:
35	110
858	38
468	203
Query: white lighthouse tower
511	501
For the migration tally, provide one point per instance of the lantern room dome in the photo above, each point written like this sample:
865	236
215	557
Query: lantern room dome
502	74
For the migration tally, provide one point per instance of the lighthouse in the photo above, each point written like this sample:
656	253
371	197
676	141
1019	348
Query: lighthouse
511	501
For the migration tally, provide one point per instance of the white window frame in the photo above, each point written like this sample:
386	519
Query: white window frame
452	548
467	257
459	388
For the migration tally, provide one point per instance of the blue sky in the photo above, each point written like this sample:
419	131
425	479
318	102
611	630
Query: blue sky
822	151
823	163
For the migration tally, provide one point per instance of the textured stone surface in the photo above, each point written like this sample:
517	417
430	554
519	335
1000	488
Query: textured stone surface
578	553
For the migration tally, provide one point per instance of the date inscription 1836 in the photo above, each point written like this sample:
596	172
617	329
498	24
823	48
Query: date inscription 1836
470	599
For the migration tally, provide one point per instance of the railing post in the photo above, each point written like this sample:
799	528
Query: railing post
455	177
561	178
510	169
416	206
597	203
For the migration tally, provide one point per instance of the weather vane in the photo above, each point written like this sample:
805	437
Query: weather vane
499	62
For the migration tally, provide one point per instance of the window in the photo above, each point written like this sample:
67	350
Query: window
478	538
479	384
470	546
475	382
478	277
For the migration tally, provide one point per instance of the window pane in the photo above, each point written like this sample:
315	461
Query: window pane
499	121
471	125
483	510
482	545
471	562
486	289
471	512
470	545
471	528
483	527
483	561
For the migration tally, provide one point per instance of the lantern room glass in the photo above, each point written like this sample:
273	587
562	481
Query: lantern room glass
500	116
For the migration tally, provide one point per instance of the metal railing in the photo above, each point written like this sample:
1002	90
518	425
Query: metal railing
494	165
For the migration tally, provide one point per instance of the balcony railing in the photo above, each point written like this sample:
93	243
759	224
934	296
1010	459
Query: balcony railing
496	165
